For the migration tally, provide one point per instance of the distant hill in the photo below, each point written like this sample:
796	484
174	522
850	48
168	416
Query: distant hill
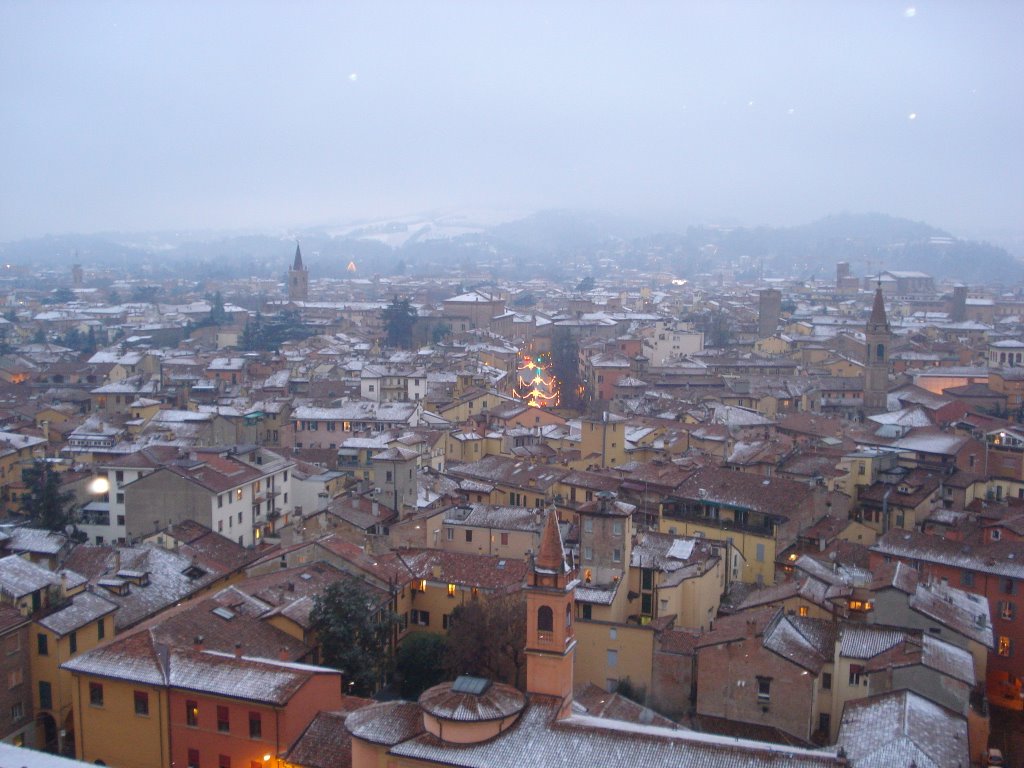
545	243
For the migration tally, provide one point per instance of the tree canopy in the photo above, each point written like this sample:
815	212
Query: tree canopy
354	632
44	502
399	317
488	638
416	663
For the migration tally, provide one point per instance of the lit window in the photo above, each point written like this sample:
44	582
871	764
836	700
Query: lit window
803	610
191	713
451	590
1005	646
421	585
238	494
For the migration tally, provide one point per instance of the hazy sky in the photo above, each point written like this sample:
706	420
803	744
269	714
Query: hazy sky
150	115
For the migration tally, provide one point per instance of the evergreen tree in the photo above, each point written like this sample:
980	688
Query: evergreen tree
416	664
399	317
44	502
354	634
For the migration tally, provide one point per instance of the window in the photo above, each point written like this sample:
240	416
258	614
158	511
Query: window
588	525
238	494
616	555
223	720
764	690
451	590
1005	646
45	695
1006	610
421	618
101	630
17	711
73	641
223	761
1007	586
191	713
545	619
587	611
469	535
996	534
617	528
759	554
445	620
449	534
193	758
12	644
255	726
504	539
141	703
588	553
613	658
967	578
803	610
824	722
119	476
856	670
96	694
826	681
15	678
42	644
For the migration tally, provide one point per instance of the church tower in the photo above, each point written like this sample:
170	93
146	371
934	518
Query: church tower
298	279
550	631
876	358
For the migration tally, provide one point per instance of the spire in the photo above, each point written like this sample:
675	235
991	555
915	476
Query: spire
878	318
550	553
298	258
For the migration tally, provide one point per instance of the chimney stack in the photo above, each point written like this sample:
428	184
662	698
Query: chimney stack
238	650
197	643
282	653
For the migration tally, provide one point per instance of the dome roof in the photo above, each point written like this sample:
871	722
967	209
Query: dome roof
472	699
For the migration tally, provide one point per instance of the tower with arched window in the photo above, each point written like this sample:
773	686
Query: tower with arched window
550	634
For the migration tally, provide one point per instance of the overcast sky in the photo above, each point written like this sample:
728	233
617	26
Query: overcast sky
149	115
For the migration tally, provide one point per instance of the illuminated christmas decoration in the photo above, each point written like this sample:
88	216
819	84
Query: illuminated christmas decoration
351	266
537	386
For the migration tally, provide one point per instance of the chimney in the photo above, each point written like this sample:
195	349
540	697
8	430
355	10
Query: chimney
375	508
197	643
117	561
238	650
282	653
63	584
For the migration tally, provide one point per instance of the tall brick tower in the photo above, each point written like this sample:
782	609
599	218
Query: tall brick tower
876	359
298	279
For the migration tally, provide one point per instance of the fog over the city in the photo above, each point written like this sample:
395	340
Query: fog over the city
161	115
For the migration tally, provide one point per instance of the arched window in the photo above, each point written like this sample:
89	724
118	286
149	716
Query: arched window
568	615
545	619
880	352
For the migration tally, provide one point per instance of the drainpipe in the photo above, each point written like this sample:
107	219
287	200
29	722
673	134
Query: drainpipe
885	511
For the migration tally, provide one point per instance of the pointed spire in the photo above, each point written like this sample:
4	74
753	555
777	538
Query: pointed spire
298	258
550	553
878	318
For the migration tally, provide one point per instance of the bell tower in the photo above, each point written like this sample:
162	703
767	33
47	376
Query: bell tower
876	358
550	631
298	278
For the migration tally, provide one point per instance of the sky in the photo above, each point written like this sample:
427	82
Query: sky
199	114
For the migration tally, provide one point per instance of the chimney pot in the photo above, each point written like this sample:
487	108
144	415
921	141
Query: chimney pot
197	642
